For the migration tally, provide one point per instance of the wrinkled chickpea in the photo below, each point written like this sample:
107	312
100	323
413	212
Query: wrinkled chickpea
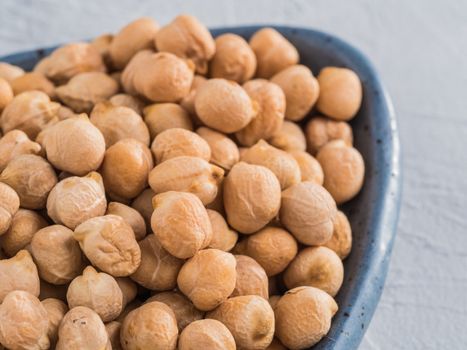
289	138
223	237
102	44
251	278
310	169
131	216
206	334
15	143
56	310
224	152
32	81
320	131
143	204
9	205
188	102
9	71
341	240
129	290
113	329
163	116
125	100
6	93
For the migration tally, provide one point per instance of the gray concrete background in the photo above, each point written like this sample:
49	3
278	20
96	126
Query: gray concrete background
420	49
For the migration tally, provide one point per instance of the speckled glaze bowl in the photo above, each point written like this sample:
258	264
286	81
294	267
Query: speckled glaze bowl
374	212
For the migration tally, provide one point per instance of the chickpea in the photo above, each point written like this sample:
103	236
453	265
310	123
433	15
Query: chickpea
135	36
188	38
206	334
181	224
152	326
77	199
320	131
224	105
125	100
56	310
143	204
301	90
6	93
340	93
102	45
30	112
113	331
15	143
341	240
109	243
62	114
310	169
289	138
308	212
131	216
303	317
32	177
188	102
9	205
9	71
234	59
130	307
52	291
158	269
184	310
82	328
20	265
163	116
223	238
273	299
224	152
251	278
208	278
32	81
24	322
344	170
129	290
273	52
276	345
251	197
187	174
249	318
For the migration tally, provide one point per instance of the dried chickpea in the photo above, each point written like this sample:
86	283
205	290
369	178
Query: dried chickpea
163	116
301	90
341	240
308	212
32	177
24	322
113	331
32	81
52	291
289	138
56	310
135	36
77	199
20	265
224	152
65	113
303	317
281	163
130	307
273	52
82	328
109	243
187	174
15	143
320	131
9	205
188	38
251	278
234	59
177	142
310	169
131	216
125	169
273	299
344	170
152	326
125	100
30	112
6	93
180	223
206	334
129	290
276	345
9	71
143	204
340	93
188	102
102	44
270	100
251	197
223	238
249	318
184	310
158	269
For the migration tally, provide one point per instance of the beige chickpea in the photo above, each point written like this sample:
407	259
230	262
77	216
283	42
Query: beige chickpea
109	243
340	93
251	278
224	152
24	322
32	81
206	334
273	52
310	169
320	131
125	169
281	163
301	90
181	224
97	291
177	142
129	290
77	199
343	168
289	138
19	265
113	329
9	205
188	38
6	93
158	269
184	310
85	90
82	328
24	225
74	145
130	307
163	116
187	174
308	212
143	204
223	237
318	267
32	177
276	345
249	318
251	197
131	216
303	317
224	105
341	240
49	290
56	310
9	71
30	112
208	278
234	59
125	100
188	102
65	113
273	299
102	44
135	36
15	143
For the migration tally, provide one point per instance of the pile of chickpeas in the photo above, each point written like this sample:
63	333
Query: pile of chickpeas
158	191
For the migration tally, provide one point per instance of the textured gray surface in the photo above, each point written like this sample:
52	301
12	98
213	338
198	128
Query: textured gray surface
419	48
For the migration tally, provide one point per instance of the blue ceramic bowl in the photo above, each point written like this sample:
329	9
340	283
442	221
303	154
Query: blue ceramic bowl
374	212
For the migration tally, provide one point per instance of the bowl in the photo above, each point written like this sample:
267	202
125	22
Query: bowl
373	214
